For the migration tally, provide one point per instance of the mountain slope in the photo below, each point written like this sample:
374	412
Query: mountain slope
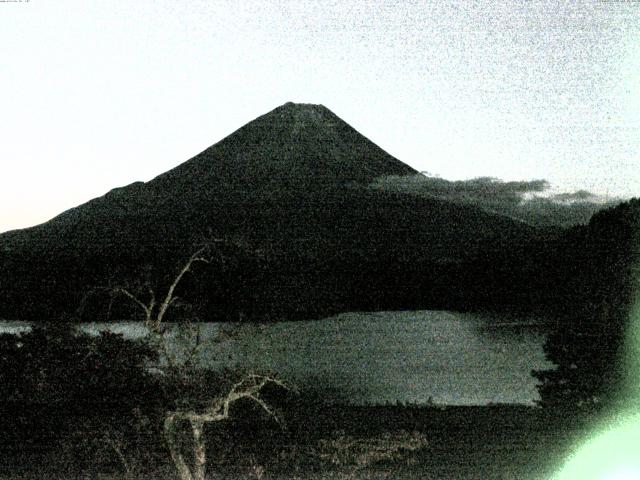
293	187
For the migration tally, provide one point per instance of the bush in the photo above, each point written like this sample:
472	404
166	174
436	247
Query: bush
355	453
52	375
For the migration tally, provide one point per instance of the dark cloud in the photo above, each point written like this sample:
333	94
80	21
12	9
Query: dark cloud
523	200
579	196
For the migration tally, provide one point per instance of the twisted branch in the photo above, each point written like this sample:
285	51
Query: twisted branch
249	387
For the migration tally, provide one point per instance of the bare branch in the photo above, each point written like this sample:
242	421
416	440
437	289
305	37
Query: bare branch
220	406
271	379
152	298
196	257
118	451
147	308
265	407
218	409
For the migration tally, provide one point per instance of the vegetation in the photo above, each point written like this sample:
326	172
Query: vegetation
55	382
313	245
195	400
75	403
97	394
587	345
454	443
294	185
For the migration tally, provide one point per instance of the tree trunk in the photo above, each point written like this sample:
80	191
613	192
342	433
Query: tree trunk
249	387
199	450
174	448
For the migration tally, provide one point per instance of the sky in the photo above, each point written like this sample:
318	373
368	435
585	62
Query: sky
97	95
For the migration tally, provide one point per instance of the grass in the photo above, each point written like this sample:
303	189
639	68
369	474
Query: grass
492	442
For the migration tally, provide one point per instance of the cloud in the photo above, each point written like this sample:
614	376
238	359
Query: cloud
527	200
579	196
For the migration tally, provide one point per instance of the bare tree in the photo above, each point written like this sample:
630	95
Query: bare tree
217	408
154	312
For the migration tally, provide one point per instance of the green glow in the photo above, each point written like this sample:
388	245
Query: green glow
612	455
631	395
614	451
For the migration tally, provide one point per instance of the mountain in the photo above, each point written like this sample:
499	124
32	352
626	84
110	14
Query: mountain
305	235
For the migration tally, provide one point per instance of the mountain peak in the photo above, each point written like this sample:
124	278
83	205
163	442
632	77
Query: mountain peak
304	113
300	106
295	143
291	188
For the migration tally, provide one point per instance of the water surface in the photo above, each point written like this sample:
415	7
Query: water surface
382	357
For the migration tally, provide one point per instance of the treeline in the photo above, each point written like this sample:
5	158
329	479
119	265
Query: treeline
591	340
292	256
583	280
548	273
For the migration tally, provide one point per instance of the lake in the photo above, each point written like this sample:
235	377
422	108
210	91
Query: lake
381	357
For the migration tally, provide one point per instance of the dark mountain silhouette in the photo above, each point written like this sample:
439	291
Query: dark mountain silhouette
564	275
293	188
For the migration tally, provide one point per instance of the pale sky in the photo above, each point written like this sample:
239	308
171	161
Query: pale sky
99	94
